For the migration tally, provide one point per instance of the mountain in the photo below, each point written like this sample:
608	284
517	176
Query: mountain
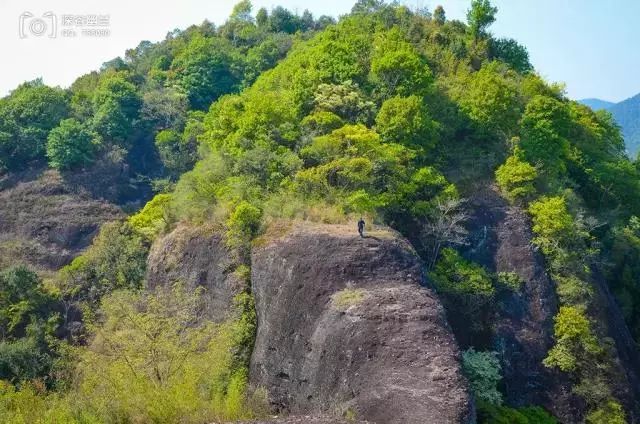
596	104
178	238
627	115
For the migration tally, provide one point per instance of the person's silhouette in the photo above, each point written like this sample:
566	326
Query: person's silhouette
361	227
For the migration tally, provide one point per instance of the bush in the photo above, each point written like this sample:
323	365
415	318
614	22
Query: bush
493	414
154	218
116	259
610	413
71	144
483	371
405	120
515	178
243	225
574	339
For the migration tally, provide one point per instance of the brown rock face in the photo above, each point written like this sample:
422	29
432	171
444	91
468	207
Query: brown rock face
45	223
345	325
501	240
196	257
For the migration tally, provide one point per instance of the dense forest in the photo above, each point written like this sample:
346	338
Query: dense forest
390	113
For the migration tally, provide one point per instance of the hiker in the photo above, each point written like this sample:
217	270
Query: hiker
361	227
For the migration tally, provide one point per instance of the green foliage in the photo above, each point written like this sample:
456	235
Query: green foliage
545	124
71	144
397	67
439	15
457	276
205	70
116	106
610	413
490	98
26	117
405	120
153	359
243	224
178	153
510	280
466	290
28	317
115	260
480	16
510	52
483	371
345	100
154	218
574	339
494	414
516	178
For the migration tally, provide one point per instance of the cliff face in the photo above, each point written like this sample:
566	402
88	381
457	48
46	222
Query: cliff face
501	240
46	223
345	325
196	257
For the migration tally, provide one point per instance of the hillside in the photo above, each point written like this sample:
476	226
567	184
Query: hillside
495	280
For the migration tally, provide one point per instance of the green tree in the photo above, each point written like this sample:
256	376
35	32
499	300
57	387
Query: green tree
71	144
483	371
512	53
206	69
397	67
545	125
406	120
439	15
490	98
516	178
116	106
26	117
479	17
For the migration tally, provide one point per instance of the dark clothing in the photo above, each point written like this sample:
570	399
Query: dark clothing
361	227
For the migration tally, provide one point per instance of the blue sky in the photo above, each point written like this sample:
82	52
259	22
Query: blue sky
591	45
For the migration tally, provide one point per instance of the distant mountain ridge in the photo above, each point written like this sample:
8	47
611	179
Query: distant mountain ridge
627	115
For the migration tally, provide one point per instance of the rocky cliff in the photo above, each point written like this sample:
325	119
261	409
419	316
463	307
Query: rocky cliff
197	257
45	222
345	325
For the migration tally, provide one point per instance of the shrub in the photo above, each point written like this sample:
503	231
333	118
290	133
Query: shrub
154	218
574	339
71	144
515	178
494	414
483	371
243	224
610	413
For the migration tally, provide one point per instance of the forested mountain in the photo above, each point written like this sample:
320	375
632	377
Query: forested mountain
496	280
627	115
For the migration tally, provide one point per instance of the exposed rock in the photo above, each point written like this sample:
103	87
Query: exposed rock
197	257
304	419
345	325
523	333
502	242
45	223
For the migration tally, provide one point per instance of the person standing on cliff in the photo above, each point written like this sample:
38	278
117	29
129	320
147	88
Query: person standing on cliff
361	227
